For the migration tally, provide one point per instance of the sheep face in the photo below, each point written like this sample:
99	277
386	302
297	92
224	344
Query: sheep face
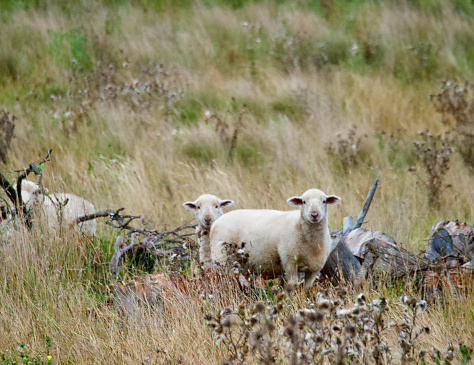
207	208
314	204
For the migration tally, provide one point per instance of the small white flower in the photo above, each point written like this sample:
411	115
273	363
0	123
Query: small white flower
343	312
421	306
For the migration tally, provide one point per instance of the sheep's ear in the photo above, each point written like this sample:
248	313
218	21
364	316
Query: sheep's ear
189	205
296	201
226	203
333	199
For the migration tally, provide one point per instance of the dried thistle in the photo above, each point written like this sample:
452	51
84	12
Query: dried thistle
435	152
6	134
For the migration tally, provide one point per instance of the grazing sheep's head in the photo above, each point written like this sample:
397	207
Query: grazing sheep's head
207	208
314	204
28	189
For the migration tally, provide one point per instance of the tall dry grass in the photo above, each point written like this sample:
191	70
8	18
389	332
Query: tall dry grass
149	153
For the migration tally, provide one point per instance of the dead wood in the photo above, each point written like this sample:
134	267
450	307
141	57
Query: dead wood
157	244
358	238
451	238
368	201
341	263
386	258
15	196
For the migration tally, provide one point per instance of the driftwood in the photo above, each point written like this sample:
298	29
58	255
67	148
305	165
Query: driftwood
341	262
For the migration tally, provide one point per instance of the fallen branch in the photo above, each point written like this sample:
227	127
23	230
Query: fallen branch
152	241
89	217
15	196
341	262
118	253
368	201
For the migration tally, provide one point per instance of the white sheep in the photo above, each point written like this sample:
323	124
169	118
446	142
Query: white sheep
292	241
27	189
207	208
51	208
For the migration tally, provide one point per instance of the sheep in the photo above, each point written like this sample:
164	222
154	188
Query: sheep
27	189
51	207
277	241
207	208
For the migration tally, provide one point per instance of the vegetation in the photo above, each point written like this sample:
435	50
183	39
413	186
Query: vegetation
148	104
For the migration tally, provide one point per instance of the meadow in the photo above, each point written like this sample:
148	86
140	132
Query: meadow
148	104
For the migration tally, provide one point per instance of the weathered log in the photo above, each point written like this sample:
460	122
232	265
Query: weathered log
387	258
358	238
439	245
451	238
341	262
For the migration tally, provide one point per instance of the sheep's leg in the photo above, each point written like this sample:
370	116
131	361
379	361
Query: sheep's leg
291	274
309	279
204	247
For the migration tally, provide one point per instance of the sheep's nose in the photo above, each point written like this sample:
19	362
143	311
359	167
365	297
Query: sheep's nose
208	221
314	216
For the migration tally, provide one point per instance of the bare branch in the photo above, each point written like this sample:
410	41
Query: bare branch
368	200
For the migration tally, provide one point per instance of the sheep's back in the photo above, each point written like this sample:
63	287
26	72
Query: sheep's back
263	231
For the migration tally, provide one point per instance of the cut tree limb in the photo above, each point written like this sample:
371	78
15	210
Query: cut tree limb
368	201
342	264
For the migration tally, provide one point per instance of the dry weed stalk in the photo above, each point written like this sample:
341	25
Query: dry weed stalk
6	134
228	132
103	84
435	152
324	331
347	151
456	106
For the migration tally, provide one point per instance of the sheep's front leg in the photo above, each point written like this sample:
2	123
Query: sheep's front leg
291	273
309	279
204	247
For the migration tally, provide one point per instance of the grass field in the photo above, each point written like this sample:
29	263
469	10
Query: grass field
149	104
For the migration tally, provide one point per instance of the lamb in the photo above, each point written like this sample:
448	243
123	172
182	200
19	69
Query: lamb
277	241
207	208
48	207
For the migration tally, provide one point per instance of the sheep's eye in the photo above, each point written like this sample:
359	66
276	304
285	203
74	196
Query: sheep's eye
304	201
324	201
217	207
199	207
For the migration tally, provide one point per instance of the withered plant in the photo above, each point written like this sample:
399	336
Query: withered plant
154	86
456	106
321	331
435	153
6	134
228	131
346	153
